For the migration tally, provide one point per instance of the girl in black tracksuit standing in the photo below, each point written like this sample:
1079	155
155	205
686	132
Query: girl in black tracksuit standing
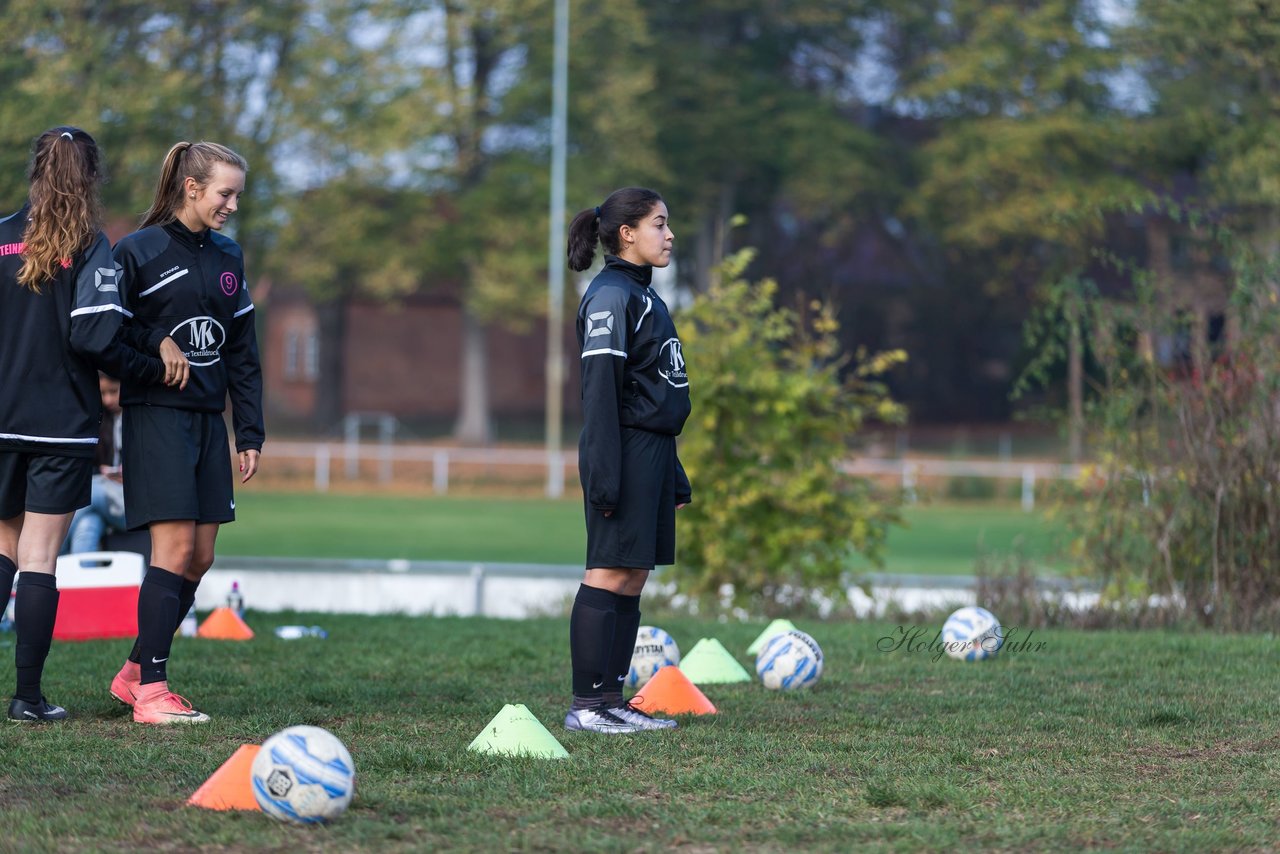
59	317
635	399
181	278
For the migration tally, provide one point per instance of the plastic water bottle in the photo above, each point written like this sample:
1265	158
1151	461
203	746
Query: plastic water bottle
235	599
189	627
6	619
295	632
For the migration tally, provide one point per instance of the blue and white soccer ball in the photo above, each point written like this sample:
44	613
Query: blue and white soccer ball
789	660
972	634
303	775
655	649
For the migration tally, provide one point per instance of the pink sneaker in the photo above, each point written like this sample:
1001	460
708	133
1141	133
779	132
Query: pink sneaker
156	704
127	684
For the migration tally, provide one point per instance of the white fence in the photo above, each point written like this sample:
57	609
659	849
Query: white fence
440	459
907	471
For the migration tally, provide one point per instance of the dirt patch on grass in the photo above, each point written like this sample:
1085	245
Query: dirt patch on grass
1217	750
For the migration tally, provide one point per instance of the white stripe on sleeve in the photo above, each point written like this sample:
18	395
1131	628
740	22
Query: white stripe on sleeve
604	352
53	440
94	309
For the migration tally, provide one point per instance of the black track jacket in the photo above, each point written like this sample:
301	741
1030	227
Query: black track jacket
633	375
52	344
190	286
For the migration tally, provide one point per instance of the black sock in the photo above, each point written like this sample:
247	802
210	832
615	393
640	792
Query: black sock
7	571
186	598
157	619
34	612
624	646
591	630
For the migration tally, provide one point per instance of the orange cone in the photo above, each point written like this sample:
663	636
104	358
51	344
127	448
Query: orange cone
224	624
671	691
229	788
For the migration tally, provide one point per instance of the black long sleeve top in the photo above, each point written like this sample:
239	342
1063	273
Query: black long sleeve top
190	286
633	375
53	343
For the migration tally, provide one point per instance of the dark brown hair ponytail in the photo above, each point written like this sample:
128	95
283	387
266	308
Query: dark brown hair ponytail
623	207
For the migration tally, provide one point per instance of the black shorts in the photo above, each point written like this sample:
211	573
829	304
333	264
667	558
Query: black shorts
43	483
641	533
176	466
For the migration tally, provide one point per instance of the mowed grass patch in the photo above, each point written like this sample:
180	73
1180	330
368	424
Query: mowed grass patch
1153	741
334	525
937	539
948	539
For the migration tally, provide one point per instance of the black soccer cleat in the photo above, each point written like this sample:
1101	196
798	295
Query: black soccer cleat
23	712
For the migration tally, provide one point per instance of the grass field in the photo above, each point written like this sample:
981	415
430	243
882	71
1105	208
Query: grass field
1147	741
939	539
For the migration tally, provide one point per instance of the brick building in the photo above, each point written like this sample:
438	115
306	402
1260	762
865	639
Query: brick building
402	358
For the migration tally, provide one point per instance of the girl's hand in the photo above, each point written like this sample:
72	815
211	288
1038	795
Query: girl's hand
177	370
248	464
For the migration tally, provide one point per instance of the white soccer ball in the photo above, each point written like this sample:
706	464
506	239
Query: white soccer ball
972	634
303	775
789	660
655	649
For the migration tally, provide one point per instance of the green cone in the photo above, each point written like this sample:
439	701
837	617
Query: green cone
709	662
777	627
514	731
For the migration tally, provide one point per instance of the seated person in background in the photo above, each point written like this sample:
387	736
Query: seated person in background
106	506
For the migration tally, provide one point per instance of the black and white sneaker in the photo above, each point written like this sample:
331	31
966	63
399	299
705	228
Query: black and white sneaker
597	720
24	712
643	720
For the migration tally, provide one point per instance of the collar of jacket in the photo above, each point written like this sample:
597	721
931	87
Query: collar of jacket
642	275
192	239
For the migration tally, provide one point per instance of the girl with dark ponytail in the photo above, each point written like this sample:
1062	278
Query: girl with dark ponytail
623	207
635	400
60	314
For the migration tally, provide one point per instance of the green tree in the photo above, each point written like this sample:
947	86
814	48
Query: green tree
349	222
1032	149
74	62
1210	73
773	514
754	106
139	77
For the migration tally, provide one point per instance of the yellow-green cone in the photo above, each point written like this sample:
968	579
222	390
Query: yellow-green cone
514	731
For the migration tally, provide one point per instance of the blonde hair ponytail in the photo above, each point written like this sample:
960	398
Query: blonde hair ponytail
186	160
66	205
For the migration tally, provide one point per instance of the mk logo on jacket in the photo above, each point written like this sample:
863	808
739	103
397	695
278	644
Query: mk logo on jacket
671	364
203	337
